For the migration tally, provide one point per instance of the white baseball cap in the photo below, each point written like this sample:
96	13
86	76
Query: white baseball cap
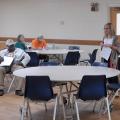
10	42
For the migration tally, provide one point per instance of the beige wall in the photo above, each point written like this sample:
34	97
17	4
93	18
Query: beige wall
67	19
62	19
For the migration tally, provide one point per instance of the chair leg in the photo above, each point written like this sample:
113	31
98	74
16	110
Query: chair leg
55	108
45	107
22	111
29	110
68	93
63	107
108	108
11	84
94	106
77	111
116	93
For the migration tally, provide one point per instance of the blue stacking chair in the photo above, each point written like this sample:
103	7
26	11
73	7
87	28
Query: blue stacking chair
50	63
113	86
74	48
92	57
34	61
100	64
72	58
92	88
38	89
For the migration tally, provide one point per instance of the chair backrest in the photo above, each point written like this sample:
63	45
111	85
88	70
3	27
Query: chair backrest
34	61
118	64
92	87
72	58
114	79
74	48
93	56
100	64
38	88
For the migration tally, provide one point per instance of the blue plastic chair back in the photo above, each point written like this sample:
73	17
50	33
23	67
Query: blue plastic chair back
34	61
38	88
74	48
110	80
118	64
93	56
72	58
92	87
100	64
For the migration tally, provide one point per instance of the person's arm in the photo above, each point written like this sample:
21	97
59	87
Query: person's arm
44	44
22	58
2	54
26	59
102	43
116	45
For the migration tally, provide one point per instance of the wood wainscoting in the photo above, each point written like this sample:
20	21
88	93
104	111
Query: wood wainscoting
54	41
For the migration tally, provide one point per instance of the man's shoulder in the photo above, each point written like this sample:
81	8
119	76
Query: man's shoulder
34	40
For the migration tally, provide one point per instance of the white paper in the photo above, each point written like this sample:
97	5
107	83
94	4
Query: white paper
7	61
106	51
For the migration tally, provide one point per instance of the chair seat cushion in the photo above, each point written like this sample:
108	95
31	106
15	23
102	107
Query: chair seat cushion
49	63
113	86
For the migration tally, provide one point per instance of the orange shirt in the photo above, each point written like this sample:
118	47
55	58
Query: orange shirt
38	44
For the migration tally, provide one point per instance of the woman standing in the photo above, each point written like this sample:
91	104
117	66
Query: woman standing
110	46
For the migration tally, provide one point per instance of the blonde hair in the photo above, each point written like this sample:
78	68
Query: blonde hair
112	32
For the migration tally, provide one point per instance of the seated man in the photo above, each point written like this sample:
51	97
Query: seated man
21	59
40	43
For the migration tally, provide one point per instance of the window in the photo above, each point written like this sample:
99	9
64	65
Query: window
118	24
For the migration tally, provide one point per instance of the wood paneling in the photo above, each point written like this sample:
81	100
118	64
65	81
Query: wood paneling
61	41
2	45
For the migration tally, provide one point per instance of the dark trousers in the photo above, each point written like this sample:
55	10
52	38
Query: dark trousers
44	57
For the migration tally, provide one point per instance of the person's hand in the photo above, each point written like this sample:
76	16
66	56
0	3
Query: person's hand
1	59
107	45
19	63
101	44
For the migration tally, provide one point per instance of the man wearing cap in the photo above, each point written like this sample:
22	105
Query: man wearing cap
40	43
21	59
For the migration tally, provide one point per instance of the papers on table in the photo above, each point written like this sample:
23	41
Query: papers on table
7	61
106	51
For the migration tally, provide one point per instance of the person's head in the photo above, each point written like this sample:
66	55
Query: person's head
108	30
40	37
10	45
20	38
